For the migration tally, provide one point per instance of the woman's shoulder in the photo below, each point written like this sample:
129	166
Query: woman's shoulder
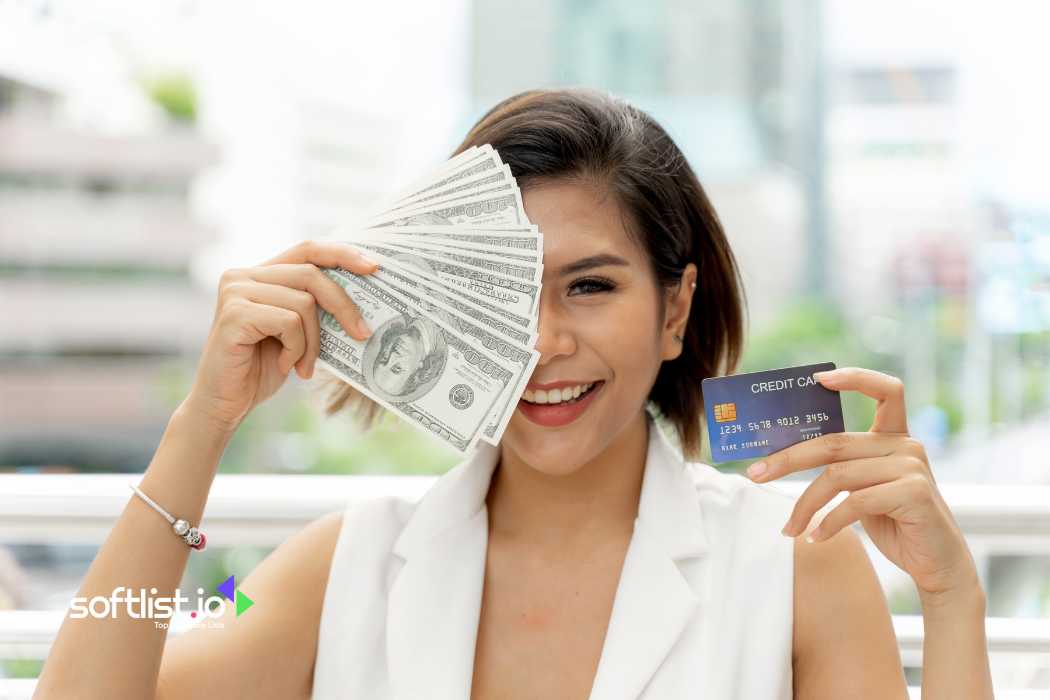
374	522
736	492
740	514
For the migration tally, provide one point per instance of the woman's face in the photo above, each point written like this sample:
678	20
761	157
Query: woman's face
602	320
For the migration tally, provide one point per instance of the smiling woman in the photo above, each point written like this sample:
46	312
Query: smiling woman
588	554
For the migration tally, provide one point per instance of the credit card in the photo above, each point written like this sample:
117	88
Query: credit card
751	415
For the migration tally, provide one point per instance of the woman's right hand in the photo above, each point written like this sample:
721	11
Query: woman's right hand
266	322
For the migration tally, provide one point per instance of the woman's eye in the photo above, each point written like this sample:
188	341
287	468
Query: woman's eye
592	284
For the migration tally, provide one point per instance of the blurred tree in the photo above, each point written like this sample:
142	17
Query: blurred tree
175	93
20	668
813	330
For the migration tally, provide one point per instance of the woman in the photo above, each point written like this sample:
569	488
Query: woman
577	559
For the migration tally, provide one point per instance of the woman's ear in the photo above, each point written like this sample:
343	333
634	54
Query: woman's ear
678	302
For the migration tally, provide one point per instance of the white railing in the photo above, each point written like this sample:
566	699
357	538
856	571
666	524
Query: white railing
28	635
241	510
265	509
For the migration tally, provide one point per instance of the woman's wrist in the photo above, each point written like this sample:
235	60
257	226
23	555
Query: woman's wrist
186	461
955	645
968	598
191	416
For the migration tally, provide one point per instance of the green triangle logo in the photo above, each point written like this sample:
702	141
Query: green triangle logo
243	603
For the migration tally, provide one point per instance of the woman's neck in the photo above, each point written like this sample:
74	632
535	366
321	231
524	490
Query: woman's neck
598	499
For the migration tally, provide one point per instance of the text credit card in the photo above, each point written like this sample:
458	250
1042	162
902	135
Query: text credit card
751	415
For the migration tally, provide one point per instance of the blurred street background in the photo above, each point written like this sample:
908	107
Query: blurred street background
880	169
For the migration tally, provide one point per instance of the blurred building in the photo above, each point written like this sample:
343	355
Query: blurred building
898	199
116	220
923	225
321	112
727	79
96	237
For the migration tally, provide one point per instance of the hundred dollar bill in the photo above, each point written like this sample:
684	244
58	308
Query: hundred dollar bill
474	325
447	203
454	188
499	208
383	235
433	282
517	296
519	238
414	364
468	157
475	258
468	172
408	271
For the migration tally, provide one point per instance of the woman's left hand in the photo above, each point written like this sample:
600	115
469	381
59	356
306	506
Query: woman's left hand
892	491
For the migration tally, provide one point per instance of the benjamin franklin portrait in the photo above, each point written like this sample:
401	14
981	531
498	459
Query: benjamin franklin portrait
404	358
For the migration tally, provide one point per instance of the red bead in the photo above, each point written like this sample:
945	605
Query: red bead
200	545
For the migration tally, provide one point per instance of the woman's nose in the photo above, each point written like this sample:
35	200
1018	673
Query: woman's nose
556	336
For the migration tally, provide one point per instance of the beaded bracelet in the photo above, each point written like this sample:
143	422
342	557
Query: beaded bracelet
190	535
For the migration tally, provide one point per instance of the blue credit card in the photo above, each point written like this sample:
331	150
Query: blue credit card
751	415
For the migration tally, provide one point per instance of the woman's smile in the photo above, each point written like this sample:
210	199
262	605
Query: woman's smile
562	411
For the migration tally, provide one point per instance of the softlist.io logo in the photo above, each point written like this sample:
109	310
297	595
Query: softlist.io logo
140	604
228	589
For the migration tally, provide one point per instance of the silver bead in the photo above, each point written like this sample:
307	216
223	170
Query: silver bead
181	527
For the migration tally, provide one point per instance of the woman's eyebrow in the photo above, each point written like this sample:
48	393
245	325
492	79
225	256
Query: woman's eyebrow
592	261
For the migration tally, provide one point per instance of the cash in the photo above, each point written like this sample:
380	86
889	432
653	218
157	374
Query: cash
453	307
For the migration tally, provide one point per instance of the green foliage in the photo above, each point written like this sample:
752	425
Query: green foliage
389	448
175	93
20	668
806	332
214	565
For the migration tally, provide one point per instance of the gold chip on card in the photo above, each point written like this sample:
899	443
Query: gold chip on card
725	412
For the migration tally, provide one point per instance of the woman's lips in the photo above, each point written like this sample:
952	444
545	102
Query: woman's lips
555	415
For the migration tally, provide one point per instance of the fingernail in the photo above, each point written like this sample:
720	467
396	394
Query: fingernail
363	328
756	470
809	538
784	530
369	261
825	376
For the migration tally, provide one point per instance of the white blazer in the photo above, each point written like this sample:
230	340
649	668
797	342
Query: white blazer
703	608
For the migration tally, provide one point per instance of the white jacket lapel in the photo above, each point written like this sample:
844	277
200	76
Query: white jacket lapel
654	601
435	602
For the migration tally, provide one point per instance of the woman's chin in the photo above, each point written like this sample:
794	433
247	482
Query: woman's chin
551	465
545	451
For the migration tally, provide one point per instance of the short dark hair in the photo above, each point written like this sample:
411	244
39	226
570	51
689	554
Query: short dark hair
587	135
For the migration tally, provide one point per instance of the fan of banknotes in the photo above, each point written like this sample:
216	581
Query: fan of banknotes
453	307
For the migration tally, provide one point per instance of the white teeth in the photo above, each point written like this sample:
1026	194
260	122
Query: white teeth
556	395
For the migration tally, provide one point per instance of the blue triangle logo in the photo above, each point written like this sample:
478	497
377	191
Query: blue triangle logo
227	588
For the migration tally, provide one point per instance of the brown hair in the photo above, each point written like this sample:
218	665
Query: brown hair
545	135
